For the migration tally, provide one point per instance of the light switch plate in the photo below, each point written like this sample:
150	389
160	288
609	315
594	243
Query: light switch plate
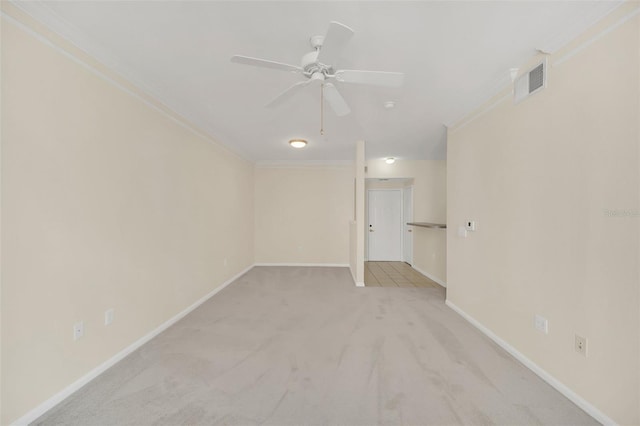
78	330
108	316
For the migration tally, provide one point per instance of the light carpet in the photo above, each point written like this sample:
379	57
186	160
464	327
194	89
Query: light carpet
303	345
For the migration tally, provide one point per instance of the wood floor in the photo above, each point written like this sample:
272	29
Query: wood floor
394	274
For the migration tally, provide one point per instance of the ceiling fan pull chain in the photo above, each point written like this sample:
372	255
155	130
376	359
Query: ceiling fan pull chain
322	109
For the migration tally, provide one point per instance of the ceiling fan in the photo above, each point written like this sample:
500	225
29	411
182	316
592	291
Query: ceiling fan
319	68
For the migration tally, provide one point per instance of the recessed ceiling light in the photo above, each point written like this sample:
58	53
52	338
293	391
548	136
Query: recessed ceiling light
298	143
389	160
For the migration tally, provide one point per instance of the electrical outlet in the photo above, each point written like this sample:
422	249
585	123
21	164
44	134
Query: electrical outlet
78	330
541	324
108	316
581	345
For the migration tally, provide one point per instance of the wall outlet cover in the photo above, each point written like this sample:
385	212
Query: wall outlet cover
541	324
581	345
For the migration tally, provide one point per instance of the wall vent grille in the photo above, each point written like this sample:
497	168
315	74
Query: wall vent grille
530	82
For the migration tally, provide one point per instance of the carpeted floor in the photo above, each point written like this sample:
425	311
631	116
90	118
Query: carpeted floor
294	345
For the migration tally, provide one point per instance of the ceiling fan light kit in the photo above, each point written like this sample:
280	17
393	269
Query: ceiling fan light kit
318	67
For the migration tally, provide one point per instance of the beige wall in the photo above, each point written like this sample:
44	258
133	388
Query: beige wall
388	184
429	205
302	214
539	177
106	203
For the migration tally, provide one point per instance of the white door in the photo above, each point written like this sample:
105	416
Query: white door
407	216
385	224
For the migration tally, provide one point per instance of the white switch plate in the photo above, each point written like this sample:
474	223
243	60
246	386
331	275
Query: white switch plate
78	330
108	316
541	324
462	232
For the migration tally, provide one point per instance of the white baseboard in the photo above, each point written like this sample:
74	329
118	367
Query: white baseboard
353	275
75	386
431	277
558	385
359	284
328	265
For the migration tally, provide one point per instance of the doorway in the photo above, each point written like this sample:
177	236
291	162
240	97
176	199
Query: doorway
385	227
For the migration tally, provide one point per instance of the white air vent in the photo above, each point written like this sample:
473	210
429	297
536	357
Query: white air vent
530	82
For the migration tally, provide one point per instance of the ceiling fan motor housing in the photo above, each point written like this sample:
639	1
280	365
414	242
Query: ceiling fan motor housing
310	65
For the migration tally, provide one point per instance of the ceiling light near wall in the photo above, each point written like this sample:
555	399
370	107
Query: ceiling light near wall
389	160
298	143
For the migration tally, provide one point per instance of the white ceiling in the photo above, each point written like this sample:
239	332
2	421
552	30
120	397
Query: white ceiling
454	54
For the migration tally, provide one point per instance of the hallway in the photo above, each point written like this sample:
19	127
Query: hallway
394	274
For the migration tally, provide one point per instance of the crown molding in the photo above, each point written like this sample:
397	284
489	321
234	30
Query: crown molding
582	23
580	47
493	92
74	44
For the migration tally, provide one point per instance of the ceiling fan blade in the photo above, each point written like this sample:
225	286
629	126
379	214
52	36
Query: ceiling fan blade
292	90
257	62
335	100
373	78
334	41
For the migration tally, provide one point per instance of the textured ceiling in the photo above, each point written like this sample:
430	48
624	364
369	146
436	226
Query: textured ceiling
452	53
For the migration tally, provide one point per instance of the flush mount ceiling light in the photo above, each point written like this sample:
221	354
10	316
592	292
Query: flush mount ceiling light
389	160
298	143
389	104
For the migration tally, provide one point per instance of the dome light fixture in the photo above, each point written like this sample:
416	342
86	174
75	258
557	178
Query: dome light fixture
389	160
298	143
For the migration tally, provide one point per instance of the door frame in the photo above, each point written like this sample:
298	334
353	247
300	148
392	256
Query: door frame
367	223
410	189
